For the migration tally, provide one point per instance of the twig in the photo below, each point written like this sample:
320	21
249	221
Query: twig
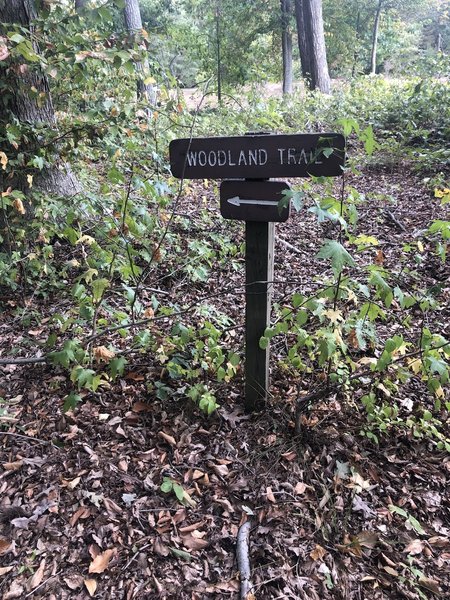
135	555
290	246
28	438
33	591
243	560
23	361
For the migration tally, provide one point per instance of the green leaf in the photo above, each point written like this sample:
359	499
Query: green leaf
338	255
179	492
416	525
181	554
71	401
166	485
263	342
117	366
98	287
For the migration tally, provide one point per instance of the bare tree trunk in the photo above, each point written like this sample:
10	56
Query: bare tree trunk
286	45
304	42
55	179
376	29
311	44
357	34
218	53
320	77
133	22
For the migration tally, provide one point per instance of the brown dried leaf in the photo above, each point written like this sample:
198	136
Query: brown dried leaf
318	553
367	539
169	439
101	562
192	542
270	496
415	547
379	257
91	586
4	570
391	571
37	577
430	584
300	488
5	546
18	205
160	548
292	455
102	354
74	581
13	466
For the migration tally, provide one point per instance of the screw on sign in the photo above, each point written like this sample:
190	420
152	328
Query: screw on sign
249	196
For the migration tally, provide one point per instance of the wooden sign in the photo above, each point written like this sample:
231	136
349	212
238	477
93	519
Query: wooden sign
258	156
253	200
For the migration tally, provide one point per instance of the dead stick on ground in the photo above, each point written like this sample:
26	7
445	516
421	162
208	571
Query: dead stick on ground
243	560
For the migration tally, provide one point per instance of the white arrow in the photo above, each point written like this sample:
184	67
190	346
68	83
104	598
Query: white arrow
236	201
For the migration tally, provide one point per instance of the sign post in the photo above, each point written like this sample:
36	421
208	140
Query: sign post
249	196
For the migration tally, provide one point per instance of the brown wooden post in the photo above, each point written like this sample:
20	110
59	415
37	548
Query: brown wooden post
259	254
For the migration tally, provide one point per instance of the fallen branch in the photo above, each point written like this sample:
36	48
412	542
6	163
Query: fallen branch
243	560
23	361
290	246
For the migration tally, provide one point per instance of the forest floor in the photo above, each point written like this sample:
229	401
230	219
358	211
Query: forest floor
82	512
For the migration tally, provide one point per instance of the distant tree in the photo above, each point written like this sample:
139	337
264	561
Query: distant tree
286	44
133	22
311	42
25	99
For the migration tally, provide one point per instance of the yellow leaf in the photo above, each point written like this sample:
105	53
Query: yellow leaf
30	180
3	160
101	562
91	586
415	365
18	205
334	315
149	80
318	553
86	239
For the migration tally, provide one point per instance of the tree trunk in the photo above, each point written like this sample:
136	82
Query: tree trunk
55	179
133	22
218	53
320	78
286	45
304	42
311	43
376	29
357	35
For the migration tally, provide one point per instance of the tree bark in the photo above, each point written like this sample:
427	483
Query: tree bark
133	23
286	45
376	29
17	104
311	43
304	42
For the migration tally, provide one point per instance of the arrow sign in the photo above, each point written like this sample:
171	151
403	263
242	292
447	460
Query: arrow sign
236	201
253	200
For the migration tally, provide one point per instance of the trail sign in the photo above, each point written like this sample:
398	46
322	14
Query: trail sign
250	161
258	156
253	200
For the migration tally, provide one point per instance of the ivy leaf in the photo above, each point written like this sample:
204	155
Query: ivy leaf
71	401
338	255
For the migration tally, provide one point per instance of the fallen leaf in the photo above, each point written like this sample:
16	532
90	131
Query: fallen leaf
91	586
429	584
292	455
101	562
4	570
71	485
270	496
318	553
415	547
391	571
192	542
18	205
367	539
5	546
74	581
38	576
102	354
169	439
300	488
